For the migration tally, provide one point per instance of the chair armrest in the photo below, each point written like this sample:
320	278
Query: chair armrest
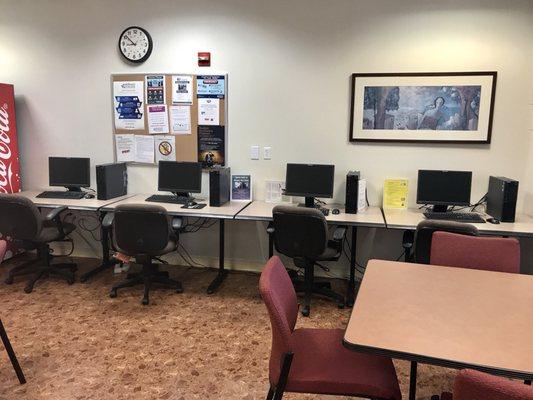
107	221
54	213
339	233
177	223
270	228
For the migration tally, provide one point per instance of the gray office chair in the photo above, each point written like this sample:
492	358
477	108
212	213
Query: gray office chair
302	234
21	220
424	233
144	232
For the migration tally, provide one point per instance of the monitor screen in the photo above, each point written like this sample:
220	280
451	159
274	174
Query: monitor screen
309	180
444	187
69	171
185	177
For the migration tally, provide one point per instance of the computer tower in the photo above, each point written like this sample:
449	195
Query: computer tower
352	191
219	186
111	181
501	198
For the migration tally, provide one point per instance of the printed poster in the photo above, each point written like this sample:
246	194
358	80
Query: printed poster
180	120
144	149
182	89
165	148
208	111
125	148
127	96
210	86
157	119
155	89
211	145
241	187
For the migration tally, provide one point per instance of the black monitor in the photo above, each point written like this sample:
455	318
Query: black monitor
309	181
180	178
444	188
71	172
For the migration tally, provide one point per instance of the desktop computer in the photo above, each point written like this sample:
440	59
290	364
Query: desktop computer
352	192
70	172
219	186
179	178
442	189
111	181
309	181
501	198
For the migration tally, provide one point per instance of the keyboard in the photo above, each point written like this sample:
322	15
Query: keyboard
61	195
167	198
455	216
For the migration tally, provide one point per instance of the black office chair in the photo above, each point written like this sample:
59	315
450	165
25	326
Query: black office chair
144	232
21	220
424	233
302	234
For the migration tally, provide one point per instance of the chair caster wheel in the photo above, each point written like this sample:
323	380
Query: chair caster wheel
179	289
305	311
28	289
9	280
113	294
145	301
70	281
341	305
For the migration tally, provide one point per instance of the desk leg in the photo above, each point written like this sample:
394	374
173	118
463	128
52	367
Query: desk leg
270	245
11	354
222	273
412	381
107	261
350	295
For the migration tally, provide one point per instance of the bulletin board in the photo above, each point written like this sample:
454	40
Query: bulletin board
160	111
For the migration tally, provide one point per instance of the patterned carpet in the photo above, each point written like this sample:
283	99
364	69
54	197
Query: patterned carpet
74	342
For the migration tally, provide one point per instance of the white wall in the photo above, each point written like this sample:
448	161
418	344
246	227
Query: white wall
289	64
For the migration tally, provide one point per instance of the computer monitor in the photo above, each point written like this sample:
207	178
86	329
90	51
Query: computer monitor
180	178
71	172
444	188
309	181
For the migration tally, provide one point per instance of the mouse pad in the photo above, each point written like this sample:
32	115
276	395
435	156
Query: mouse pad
196	206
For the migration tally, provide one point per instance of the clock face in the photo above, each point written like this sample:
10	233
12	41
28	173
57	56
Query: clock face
135	44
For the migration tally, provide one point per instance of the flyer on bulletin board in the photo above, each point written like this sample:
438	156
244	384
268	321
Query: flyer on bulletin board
213	86
182	89
165	148
128	97
211	145
395	193
155	89
157	119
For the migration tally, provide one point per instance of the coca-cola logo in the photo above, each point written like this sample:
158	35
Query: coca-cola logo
6	172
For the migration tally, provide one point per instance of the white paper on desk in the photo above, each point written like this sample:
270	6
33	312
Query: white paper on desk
180	120
165	148
361	196
144	149
208	111
157	119
181	89
125	147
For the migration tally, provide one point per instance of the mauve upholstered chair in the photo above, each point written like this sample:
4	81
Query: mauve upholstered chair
314	360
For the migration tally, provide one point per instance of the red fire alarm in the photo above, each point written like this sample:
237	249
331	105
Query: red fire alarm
204	59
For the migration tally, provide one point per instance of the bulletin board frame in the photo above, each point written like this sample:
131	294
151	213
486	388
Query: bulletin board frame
186	145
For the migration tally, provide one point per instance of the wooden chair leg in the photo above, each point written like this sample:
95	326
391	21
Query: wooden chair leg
11	354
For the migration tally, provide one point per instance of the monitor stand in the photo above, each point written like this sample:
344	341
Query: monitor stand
183	194
73	188
309	203
439	208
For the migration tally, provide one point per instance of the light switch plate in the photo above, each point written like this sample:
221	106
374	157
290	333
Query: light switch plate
254	153
267	153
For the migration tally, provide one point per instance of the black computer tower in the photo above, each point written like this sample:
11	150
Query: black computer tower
352	191
111	181
219	186
501	198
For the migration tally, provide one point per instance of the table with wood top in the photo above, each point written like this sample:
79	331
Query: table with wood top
227	211
450	317
372	217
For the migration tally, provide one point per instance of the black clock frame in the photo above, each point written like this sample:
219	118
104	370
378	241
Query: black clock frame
150	45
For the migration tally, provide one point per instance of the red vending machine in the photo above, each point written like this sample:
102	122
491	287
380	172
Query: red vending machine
9	152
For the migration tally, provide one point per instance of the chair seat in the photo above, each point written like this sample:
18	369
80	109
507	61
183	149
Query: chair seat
322	365
49	233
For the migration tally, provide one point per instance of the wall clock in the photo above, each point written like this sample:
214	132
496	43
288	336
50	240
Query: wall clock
135	44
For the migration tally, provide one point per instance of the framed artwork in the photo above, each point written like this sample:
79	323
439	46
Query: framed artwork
445	107
241	187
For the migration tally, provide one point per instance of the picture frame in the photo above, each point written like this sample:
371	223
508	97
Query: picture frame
241	187
431	107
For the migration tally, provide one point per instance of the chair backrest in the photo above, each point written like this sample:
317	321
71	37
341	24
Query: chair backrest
140	229
279	296
19	217
475	252
3	248
475	385
299	231
424	234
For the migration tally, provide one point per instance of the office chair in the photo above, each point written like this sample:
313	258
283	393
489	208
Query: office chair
424	234
302	234
144	232
21	220
314	361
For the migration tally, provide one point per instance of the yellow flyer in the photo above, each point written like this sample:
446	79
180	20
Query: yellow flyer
395	193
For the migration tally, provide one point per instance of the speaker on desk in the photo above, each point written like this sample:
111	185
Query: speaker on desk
219	186
501	198
111	181
352	191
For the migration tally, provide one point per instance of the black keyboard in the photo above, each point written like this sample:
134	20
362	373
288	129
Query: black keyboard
61	195
167	198
455	216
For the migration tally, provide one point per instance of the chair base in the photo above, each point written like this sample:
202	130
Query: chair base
148	276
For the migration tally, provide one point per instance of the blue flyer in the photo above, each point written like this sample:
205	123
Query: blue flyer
211	86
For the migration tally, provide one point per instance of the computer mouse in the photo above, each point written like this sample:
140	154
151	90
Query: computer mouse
493	220
191	203
89	196
335	211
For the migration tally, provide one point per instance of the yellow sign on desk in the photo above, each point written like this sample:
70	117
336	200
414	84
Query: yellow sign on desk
395	193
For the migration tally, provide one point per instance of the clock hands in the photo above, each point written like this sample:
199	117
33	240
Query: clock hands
132	42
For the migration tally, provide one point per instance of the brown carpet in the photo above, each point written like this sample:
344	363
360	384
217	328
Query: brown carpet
74	342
